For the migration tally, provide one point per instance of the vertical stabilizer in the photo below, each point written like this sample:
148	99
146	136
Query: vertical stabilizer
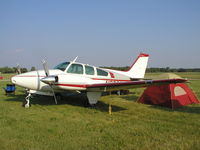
137	70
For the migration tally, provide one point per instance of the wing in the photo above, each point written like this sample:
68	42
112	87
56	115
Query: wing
130	84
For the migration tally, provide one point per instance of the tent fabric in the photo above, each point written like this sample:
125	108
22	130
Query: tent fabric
168	95
165	76
168	76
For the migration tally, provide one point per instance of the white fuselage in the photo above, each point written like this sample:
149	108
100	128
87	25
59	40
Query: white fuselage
66	81
77	76
73	76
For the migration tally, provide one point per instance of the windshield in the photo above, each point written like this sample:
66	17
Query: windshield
62	66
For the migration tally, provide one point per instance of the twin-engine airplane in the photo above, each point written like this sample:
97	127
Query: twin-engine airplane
78	77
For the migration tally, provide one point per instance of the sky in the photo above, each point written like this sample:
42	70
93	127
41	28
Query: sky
100	32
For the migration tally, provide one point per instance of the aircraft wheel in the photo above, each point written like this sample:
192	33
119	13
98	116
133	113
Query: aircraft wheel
26	104
87	104
92	106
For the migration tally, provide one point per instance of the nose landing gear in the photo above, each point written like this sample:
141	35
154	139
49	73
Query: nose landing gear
26	103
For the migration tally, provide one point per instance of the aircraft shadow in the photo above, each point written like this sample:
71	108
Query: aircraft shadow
69	100
101	106
132	98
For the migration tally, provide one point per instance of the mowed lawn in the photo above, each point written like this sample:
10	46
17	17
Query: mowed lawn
69	125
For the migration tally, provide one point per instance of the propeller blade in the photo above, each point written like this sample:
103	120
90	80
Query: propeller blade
45	67
49	79
54	95
18	69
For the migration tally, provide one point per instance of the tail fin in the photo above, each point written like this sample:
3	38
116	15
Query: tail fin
137	70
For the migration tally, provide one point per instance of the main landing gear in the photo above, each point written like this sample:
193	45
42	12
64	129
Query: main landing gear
86	103
92	99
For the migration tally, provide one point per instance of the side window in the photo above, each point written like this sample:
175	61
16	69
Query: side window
101	72
75	68
89	70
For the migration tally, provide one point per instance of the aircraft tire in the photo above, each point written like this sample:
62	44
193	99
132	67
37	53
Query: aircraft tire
87	104
25	104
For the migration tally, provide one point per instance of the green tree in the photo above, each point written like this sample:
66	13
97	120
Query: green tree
33	68
23	70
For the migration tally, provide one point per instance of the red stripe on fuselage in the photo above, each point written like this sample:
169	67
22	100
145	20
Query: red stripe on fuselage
30	76
86	85
108	79
72	85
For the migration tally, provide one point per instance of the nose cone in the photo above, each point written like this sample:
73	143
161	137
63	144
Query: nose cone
18	80
27	80
13	79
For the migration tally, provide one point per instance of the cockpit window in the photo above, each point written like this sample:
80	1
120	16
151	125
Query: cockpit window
89	70
101	72
62	66
75	68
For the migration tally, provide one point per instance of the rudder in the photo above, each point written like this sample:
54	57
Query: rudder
137	70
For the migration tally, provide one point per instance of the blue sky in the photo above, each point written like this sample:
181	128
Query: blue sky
101	33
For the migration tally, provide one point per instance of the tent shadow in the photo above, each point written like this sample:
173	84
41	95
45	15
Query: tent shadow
69	100
192	108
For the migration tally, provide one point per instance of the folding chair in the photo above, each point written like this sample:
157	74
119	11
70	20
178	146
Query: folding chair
10	88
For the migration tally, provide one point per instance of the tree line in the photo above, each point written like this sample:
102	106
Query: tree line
14	69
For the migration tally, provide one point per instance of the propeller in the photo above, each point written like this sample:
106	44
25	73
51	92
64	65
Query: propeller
18	69
45	67
50	80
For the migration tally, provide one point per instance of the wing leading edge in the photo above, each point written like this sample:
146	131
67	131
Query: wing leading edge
130	84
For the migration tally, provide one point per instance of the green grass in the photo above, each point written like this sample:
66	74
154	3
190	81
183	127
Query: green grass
68	125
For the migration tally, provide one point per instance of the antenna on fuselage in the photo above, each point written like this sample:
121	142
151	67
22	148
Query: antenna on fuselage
75	59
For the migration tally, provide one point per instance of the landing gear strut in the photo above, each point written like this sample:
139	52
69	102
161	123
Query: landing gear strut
92	99
26	103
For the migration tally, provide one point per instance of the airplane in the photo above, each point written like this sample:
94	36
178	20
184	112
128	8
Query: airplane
77	77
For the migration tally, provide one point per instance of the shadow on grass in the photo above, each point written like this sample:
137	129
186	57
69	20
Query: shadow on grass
70	100
193	108
101	106
130	98
186	109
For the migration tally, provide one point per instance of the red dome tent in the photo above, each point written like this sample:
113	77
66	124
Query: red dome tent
168	95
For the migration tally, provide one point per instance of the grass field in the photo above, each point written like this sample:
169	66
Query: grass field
47	126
